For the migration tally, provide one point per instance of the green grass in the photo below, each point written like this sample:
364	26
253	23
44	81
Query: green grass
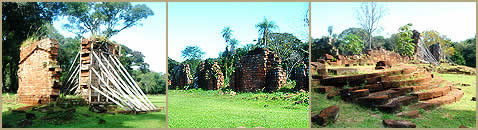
210	109
83	118
446	116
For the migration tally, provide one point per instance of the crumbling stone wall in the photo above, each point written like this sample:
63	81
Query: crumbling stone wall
258	70
436	51
39	72
181	76
370	58
101	47
301	77
209	76
322	47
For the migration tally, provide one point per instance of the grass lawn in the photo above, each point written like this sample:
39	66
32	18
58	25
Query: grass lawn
210	109
83	118
446	116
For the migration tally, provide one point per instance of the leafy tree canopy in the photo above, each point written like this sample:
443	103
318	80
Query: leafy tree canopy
104	18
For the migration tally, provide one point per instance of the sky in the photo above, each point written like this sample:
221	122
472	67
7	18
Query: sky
149	39
456	20
201	23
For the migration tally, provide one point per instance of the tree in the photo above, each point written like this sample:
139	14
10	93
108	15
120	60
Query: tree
431	37
290	49
192	52
230	42
404	43
265	28
226	59
193	56
152	82
233	44
356	31
330	29
103	18
467	50
352	44
227	34
369	17
22	21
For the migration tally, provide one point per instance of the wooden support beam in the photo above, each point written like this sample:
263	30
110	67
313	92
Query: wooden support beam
115	84
131	78
110	91
130	89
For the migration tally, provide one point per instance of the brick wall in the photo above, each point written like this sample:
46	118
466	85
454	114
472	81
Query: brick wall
209	76
258	70
301	77
39	73
88	61
370	58
181	76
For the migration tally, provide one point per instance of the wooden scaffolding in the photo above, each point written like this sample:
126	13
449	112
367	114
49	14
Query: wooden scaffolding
98	76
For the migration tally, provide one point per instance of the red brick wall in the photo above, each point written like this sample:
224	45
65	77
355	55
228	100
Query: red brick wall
258	70
39	73
209	76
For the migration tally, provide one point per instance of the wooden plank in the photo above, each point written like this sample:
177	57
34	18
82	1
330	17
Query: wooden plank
131	78
116	85
110	91
130	88
119	104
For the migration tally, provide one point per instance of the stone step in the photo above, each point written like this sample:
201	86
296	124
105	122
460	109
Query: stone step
372	101
453	96
356	80
435	82
432	93
406	74
397	84
323	89
395	104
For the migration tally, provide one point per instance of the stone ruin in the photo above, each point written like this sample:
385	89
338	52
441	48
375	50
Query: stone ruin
181	76
39	73
99	77
260	69
391	90
370	58
436	52
301	77
209	76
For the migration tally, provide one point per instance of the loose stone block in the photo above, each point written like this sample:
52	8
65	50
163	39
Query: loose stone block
399	124
327	115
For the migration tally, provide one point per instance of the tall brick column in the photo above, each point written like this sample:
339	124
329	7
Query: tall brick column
39	73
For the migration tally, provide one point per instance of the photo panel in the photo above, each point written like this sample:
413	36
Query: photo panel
84	65
393	64
238	64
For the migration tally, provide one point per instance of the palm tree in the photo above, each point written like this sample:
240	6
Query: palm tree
227	34
233	43
265	28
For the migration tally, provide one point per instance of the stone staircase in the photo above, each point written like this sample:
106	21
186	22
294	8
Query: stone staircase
390	90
